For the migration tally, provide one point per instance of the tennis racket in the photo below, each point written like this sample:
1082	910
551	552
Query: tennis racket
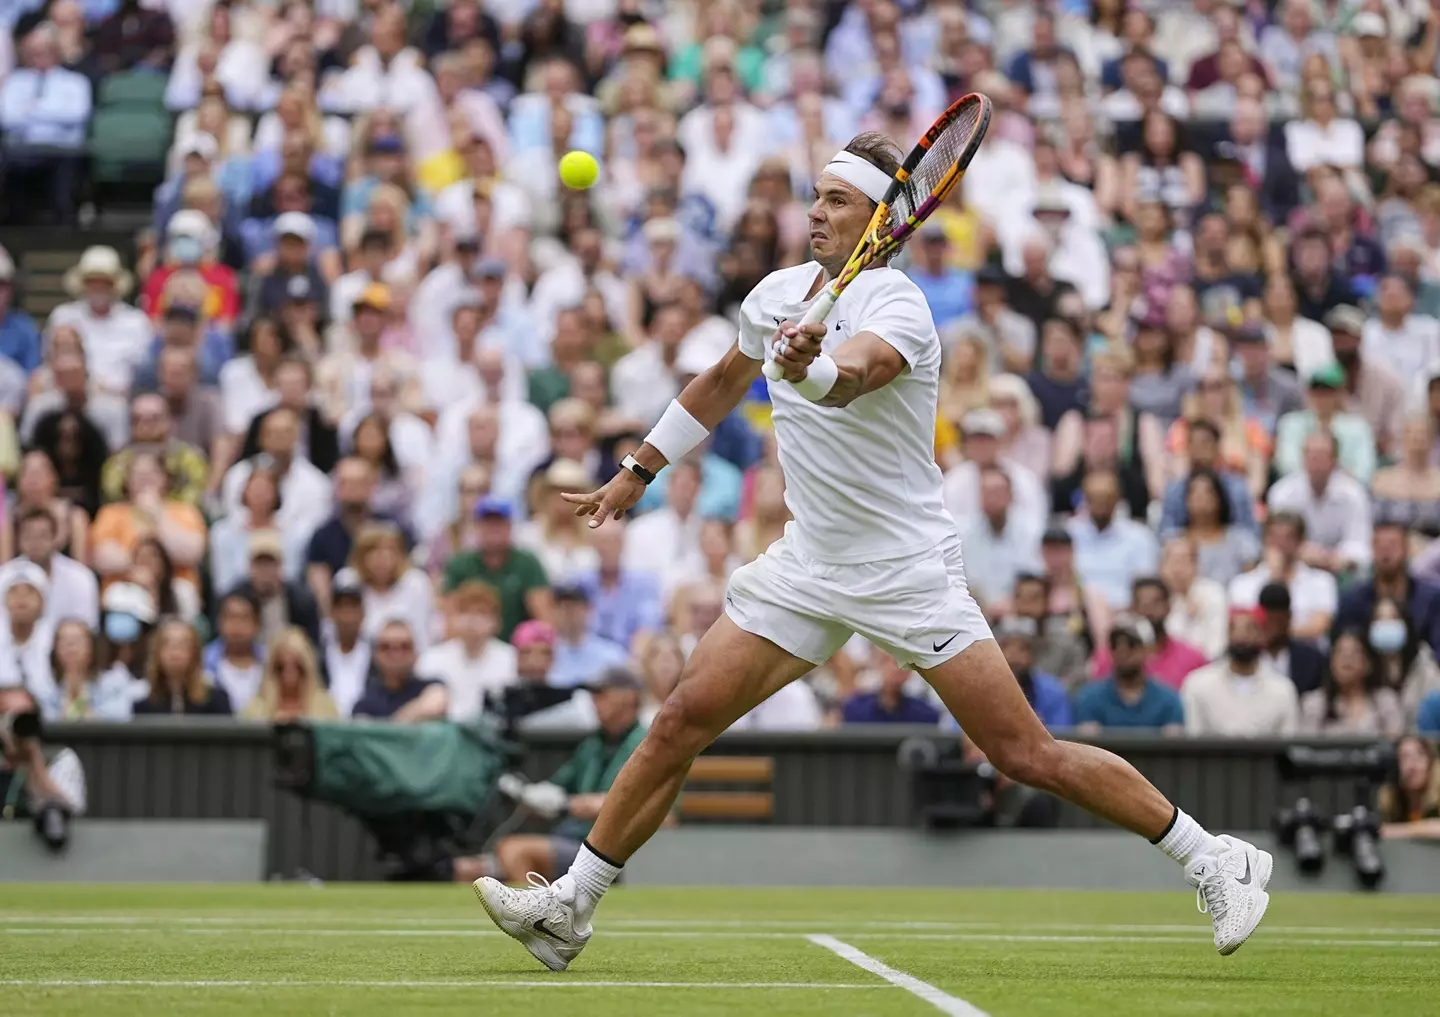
924	180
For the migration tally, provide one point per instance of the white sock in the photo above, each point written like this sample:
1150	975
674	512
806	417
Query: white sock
589	877
1186	840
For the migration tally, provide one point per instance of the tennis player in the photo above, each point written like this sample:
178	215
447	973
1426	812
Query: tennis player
871	550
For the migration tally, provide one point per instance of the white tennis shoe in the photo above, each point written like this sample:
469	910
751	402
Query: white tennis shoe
537	917
1230	888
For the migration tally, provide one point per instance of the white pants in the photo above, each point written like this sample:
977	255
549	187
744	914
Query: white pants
916	608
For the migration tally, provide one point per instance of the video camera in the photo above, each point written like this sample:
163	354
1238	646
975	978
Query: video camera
52	819
1356	833
21	726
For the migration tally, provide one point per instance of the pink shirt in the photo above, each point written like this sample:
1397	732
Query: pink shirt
1169	665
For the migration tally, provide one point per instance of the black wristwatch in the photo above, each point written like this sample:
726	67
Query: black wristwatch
629	463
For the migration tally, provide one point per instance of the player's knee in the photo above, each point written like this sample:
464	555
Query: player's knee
678	733
1035	763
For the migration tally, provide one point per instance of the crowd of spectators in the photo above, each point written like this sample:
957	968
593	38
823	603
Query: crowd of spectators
302	455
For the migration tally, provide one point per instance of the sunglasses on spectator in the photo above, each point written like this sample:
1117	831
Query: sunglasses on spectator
404	647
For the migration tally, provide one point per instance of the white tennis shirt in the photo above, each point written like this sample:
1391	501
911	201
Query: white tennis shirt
860	480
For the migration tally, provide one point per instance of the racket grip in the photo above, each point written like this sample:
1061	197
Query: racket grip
818	311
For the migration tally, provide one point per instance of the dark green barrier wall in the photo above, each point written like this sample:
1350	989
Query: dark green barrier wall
191	769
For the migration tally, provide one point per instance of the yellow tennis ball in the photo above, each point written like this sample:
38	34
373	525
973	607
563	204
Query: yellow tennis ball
579	170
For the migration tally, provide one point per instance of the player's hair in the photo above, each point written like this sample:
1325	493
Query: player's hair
879	151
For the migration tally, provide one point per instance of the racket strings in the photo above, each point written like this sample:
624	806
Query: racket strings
946	150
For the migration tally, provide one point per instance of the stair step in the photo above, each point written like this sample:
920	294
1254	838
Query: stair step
50	260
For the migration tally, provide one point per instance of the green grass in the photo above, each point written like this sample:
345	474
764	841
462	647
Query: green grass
286	950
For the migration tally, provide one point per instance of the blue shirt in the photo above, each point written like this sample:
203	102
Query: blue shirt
867	709
1237	493
1112	558
45	110
949	294
216	349
1427	721
583	662
378	701
720	486
618	612
1100	703
20	340
1050	701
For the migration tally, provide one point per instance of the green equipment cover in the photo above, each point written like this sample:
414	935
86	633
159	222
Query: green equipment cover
374	769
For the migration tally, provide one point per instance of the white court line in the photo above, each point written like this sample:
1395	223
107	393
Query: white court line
552	983
942	1001
299	921
280	930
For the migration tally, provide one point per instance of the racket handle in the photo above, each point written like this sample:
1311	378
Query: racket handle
818	311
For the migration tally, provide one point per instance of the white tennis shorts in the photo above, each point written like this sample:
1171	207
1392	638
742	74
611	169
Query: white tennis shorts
917	608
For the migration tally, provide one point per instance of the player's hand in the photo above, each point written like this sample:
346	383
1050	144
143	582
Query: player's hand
796	347
610	501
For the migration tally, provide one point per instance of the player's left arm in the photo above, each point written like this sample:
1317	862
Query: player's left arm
865	362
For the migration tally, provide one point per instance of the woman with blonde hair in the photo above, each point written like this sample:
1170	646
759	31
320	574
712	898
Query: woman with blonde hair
393	590
1025	441
554	533
177	682
965	383
290	688
389	211
1409	804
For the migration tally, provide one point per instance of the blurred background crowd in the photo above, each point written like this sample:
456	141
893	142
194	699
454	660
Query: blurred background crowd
297	448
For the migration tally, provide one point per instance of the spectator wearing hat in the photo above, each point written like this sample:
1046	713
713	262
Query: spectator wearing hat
127	622
580	654
1373	391
281	602
152	430
1001	543
473	662
1127	697
19	338
513	572
44	111
1300	660
74	592
397	693
345	653
294	277
116	336
305	492
1239	696
1313	593
1170	659
982	431
27	638
1334	505
1353	438
192	247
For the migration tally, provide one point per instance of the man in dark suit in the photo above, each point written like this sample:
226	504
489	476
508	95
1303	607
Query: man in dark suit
1264	165
1302	662
318	438
1390	579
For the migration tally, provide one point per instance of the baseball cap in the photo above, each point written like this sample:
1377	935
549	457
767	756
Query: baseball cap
1057	534
533	633
131	599
1249	332
387	144
346	584
266	544
1330	376
571	591
22	572
204	145
375	296
615	678
1345	318
295	224
1132	625
992	275
1368	25
491	507
189	222
986	422
490	268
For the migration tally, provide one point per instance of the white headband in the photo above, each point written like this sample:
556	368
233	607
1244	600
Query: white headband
869	179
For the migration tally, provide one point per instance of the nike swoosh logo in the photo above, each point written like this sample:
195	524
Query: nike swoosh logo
544	930
1245	879
937	647
840	324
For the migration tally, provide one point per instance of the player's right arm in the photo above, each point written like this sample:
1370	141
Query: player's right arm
706	401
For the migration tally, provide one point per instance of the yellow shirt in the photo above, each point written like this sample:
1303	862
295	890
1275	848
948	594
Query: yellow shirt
440	171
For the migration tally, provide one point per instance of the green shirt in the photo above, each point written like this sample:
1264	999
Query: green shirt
591	770
1352	435
521	573
548	386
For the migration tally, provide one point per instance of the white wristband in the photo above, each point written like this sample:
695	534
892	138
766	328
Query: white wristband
676	433
819	378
